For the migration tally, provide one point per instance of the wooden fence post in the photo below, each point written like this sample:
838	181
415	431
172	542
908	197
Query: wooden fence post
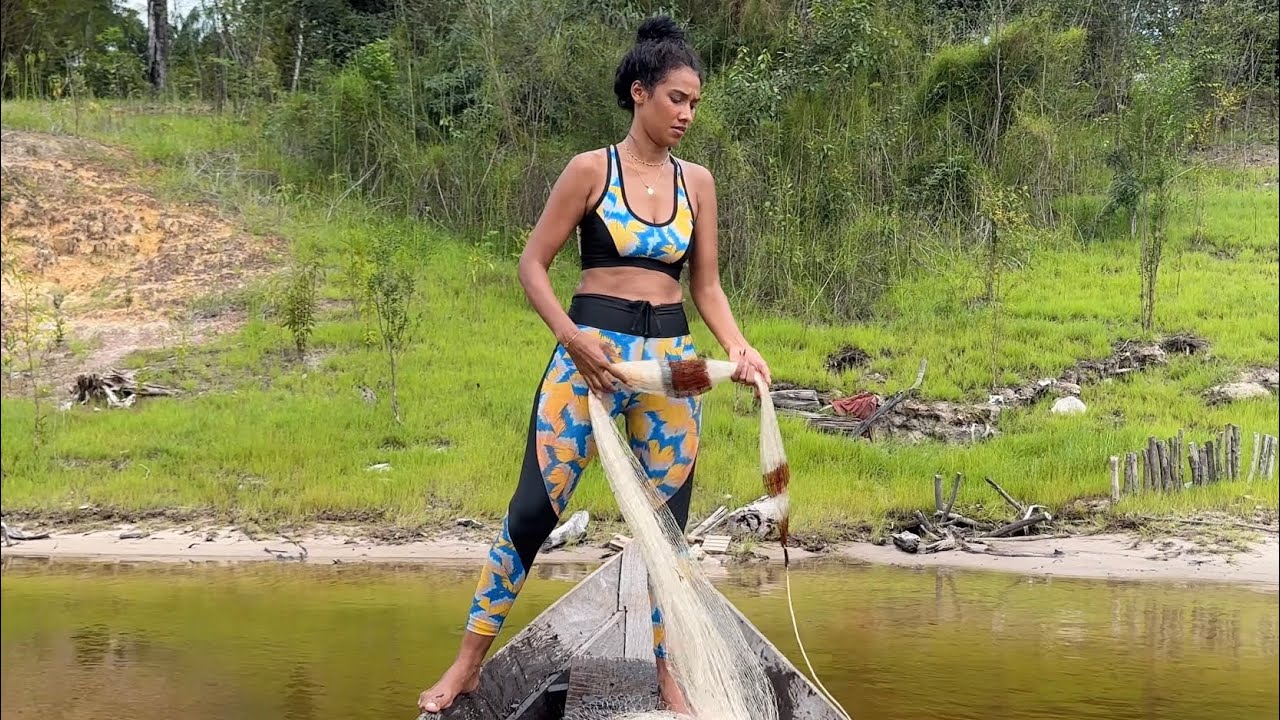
1115	479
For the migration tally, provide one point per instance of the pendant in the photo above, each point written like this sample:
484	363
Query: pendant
650	190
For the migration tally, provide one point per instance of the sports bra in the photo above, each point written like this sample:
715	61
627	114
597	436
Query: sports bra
611	235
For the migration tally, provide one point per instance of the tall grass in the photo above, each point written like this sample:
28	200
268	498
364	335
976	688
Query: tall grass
265	438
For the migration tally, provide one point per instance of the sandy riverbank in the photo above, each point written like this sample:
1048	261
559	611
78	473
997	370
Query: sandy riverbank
1107	556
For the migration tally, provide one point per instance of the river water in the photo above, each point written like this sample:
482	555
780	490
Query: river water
354	641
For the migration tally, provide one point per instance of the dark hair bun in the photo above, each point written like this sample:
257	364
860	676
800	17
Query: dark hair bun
660	48
657	29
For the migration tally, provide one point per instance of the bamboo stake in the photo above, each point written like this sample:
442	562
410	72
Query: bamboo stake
1162	464
1235	453
1152	465
1254	455
1178	449
1193	462
1131	473
1219	458
1115	479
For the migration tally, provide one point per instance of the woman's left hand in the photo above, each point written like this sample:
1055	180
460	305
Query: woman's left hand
749	365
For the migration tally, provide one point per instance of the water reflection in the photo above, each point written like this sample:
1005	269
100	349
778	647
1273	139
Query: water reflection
300	693
303	642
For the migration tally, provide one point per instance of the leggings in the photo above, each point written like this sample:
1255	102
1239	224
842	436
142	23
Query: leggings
663	433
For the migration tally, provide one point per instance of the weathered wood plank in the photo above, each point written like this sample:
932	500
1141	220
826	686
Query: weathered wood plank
542	649
614	686
636	606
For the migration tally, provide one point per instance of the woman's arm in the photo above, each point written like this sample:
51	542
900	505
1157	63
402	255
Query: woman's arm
559	216
704	282
568	199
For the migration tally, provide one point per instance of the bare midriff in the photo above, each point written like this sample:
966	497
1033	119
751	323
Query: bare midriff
631	283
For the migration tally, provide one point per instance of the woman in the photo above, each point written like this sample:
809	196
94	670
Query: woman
641	216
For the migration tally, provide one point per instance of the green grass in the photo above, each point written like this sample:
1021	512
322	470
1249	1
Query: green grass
262	438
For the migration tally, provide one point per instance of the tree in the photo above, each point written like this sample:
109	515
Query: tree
1154	130
157	42
391	288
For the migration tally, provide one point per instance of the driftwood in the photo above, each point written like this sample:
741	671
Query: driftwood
797	399
709	523
906	541
950	542
759	518
12	534
954	519
928	528
571	531
1017	525
1027	538
893	402
1017	506
117	388
845	427
1001	552
948	530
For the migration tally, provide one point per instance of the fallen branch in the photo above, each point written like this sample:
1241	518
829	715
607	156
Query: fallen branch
117	388
1028	538
1000	552
11	534
947	543
1017	506
1018	525
711	521
954	519
924	525
891	403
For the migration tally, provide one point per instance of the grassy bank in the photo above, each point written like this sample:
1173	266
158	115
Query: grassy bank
263	436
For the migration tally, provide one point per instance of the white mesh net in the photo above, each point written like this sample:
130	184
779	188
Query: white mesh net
720	677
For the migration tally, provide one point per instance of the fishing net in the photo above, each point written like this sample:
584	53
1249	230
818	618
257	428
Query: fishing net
707	652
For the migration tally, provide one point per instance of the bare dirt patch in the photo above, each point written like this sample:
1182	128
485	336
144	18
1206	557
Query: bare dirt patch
80	224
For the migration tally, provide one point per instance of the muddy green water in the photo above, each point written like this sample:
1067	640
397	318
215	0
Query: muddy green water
297	642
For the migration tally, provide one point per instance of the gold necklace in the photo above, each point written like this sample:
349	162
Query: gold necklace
648	186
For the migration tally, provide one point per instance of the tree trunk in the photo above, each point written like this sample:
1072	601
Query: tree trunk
157	42
297	59
395	394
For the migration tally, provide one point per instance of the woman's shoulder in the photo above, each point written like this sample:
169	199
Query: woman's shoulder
696	175
588	162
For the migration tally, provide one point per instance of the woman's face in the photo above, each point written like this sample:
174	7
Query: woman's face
667	113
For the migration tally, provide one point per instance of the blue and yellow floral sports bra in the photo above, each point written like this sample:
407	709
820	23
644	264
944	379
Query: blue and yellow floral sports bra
611	235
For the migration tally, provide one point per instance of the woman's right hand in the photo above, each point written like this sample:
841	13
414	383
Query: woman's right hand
591	357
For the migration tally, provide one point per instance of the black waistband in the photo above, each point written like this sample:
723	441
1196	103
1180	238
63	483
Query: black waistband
633	317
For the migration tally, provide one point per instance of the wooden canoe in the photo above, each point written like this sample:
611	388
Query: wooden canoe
592	650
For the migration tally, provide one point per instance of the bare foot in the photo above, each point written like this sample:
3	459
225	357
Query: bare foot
459	679
670	696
